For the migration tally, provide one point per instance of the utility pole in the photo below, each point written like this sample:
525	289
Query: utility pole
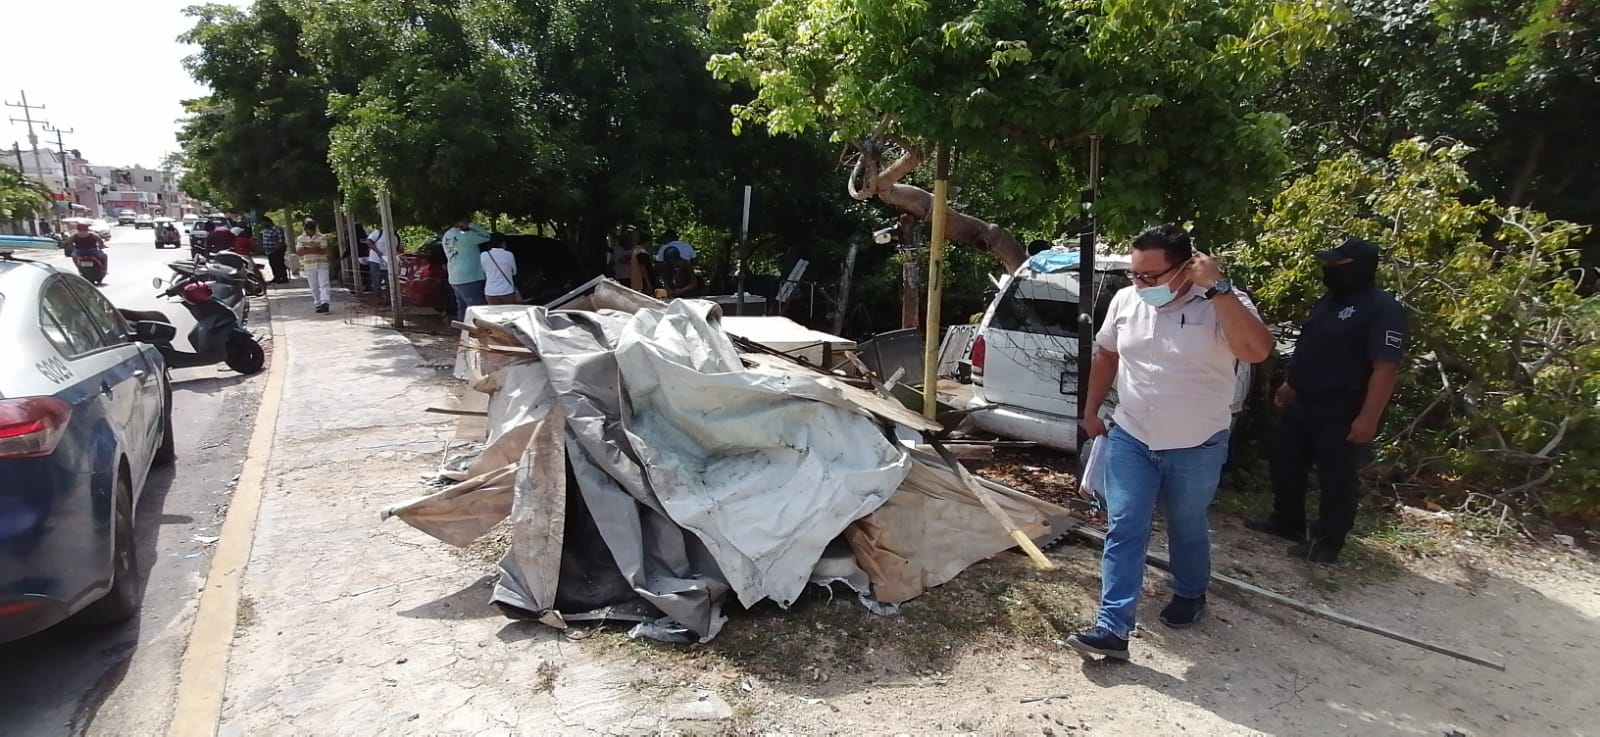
61	150
27	117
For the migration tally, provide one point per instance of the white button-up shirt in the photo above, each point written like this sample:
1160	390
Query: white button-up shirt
1176	375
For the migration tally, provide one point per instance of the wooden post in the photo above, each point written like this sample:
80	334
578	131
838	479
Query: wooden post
842	305
930	330
339	230
386	221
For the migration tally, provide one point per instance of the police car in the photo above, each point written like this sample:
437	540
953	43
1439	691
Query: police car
84	414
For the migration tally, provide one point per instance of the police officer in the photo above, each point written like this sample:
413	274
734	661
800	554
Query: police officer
1340	378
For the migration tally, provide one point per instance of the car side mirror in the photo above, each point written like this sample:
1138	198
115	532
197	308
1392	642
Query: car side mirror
155	282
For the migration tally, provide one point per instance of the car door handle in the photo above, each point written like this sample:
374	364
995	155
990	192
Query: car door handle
105	388
139	374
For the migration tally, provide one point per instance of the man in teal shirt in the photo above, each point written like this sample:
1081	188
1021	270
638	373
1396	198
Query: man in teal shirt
462	247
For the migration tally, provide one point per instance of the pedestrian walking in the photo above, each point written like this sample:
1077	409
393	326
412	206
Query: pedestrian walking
500	273
1171	343
312	251
463	263
1339	381
273	245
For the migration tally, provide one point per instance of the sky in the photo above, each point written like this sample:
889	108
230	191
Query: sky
110	71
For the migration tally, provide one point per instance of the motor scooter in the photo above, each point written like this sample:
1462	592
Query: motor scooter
255	284
91	266
217	336
227	284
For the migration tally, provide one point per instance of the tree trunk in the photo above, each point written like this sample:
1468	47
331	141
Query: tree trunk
884	184
1519	186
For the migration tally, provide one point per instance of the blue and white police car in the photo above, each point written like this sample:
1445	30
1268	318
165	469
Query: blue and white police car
85	412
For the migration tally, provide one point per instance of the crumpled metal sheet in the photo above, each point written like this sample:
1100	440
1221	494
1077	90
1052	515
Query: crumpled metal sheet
648	471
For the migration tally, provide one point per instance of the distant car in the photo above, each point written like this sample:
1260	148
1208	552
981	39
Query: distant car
101	227
85	412
1024	356
127	217
167	233
144	221
203	228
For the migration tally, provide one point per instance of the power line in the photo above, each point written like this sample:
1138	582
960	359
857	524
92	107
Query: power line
33	138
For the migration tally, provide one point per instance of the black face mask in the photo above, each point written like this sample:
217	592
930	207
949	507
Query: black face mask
1351	277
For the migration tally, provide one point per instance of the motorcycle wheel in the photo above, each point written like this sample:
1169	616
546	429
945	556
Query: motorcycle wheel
244	354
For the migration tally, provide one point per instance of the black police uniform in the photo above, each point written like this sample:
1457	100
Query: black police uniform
1329	371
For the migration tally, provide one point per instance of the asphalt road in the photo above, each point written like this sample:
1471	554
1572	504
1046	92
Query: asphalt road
69	680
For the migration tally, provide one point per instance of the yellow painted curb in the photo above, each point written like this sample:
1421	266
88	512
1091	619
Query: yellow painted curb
204	670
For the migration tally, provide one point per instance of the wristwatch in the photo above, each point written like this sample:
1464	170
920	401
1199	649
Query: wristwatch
1221	287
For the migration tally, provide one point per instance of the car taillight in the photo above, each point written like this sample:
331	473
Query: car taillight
979	352
31	427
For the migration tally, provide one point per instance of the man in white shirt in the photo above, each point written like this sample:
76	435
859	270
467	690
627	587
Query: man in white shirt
1171	342
500	273
671	241
379	246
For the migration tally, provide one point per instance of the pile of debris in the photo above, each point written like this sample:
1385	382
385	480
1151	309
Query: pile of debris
649	469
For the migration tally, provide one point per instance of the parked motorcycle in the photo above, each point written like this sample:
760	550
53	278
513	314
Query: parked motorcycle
228	285
217	337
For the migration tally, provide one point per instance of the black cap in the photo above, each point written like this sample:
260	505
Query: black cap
1352	248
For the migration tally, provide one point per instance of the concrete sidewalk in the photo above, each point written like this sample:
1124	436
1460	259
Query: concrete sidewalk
350	625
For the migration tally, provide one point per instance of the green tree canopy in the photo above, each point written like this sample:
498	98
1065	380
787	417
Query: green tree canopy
21	198
260	139
1517	81
1019	87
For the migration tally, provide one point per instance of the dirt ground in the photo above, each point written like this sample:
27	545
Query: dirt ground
984	654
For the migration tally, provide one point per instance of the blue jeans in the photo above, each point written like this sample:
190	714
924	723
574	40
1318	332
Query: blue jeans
468	295
1184	480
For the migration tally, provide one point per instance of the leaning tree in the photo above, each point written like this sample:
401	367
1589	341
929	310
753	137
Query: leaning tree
1018	88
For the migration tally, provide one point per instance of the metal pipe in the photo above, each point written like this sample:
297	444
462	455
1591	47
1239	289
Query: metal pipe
1086	295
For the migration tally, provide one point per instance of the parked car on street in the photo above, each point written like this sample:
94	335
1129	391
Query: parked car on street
1024	356
101	227
85	412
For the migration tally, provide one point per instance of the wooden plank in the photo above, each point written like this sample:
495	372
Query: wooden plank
455	412
987	500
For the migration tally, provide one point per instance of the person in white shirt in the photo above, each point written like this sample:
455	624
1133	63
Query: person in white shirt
671	241
379	246
499	273
1171	342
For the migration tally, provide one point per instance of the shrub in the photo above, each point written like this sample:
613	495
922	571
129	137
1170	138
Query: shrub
1501	393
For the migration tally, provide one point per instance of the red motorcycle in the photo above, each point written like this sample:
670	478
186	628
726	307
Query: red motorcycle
423	282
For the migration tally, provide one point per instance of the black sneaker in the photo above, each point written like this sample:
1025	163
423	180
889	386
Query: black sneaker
1316	551
1183	613
1100	641
1270	525
322	308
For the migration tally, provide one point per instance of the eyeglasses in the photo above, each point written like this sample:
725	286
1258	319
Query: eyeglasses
1149	279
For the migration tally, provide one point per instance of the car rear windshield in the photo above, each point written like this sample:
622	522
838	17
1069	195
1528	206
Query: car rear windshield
1041	307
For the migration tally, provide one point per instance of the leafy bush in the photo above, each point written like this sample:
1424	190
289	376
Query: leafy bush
1502	394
